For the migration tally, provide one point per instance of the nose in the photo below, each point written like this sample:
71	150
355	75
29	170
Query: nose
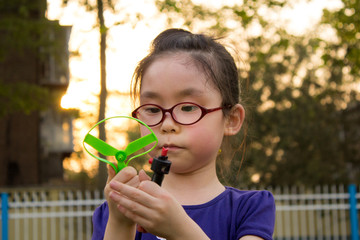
168	124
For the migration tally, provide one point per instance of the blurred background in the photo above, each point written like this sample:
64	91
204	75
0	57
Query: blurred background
66	64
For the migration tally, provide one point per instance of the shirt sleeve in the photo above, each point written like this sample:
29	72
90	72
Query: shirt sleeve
100	219
257	216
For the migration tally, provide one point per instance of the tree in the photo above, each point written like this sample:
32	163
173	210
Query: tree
100	7
21	98
343	58
103	91
22	31
33	77
297	88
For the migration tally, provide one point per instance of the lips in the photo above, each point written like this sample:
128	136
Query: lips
170	146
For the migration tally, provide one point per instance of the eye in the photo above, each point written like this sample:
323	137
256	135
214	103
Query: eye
151	110
189	108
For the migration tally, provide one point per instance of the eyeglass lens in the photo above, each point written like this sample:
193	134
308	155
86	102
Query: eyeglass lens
183	113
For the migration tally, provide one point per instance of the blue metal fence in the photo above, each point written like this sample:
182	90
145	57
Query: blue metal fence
353	213
4	216
322	213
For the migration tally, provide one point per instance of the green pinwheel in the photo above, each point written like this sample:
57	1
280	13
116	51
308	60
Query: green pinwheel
120	155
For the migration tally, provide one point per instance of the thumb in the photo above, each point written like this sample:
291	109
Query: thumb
143	176
111	173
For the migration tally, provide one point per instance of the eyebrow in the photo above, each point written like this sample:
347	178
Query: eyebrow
190	92
149	94
183	93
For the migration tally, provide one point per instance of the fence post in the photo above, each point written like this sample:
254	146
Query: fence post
353	213
4	216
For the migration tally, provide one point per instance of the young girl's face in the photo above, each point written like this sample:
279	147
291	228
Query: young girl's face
172	79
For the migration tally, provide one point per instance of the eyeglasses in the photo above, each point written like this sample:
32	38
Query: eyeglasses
185	113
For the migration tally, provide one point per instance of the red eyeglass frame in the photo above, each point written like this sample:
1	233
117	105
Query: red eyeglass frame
204	111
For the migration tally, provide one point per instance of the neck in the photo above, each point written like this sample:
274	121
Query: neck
194	188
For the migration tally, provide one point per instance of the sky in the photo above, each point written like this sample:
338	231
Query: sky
127	44
124	51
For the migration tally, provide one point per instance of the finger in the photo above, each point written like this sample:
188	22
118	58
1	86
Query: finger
130	208
151	188
125	174
132	193
143	176
134	182
111	173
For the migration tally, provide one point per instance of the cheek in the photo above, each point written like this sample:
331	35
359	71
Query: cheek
206	140
143	132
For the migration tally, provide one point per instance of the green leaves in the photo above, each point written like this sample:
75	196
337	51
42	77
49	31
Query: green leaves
22	97
298	88
346	23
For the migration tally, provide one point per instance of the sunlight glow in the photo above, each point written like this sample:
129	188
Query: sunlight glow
66	101
255	178
127	44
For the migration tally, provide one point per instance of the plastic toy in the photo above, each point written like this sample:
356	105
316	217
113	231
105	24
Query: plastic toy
160	166
120	155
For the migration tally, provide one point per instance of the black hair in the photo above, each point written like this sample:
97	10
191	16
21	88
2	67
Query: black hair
212	56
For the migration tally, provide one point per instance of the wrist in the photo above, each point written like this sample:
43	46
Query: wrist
116	229
120	222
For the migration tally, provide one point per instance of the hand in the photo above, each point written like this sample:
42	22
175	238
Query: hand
127	176
155	209
118	225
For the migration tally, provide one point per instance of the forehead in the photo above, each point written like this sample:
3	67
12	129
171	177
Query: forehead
177	73
185	59
181	65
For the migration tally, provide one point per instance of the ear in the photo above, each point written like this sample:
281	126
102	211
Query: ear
235	120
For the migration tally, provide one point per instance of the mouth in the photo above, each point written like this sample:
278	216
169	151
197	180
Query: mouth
170	147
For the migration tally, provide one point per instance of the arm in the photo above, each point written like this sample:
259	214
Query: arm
119	226
117	231
156	211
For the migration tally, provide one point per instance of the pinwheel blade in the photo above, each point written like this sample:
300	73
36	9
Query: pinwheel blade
140	143
101	146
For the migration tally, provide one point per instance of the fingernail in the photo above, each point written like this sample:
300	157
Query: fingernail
114	184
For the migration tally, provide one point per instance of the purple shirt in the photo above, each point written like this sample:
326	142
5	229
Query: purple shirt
230	216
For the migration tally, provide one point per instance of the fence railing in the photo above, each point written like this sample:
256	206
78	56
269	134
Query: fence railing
325	212
321	213
49	214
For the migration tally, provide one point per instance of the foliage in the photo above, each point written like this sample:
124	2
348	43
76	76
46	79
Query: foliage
23	31
21	97
346	22
299	86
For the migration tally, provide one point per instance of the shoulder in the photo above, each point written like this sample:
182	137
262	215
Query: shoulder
251	202
236	213
246	198
100	218
253	195
256	213
233	199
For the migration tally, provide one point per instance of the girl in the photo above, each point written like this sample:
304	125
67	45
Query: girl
189	95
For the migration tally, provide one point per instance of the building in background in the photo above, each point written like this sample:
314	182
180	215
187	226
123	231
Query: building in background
33	145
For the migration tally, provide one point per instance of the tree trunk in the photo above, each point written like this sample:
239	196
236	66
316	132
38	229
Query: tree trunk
102	173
